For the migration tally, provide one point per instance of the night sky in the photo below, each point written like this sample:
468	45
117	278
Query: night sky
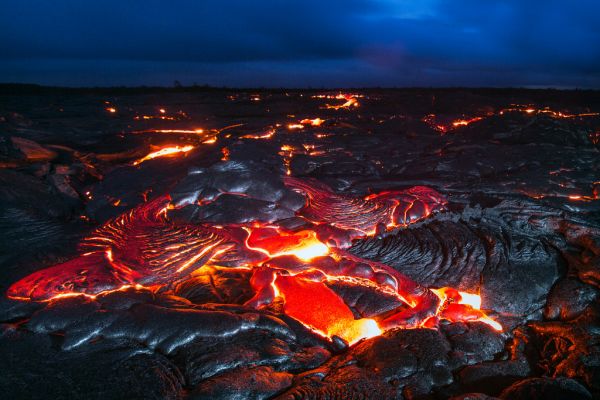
308	43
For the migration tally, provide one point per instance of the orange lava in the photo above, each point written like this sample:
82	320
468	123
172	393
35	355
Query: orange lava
462	306
322	310
162	115
579	197
431	119
313	122
165	151
349	103
181	131
465	122
273	242
267	135
143	246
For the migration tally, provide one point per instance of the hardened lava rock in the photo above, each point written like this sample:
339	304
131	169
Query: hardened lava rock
516	221
234	192
512	269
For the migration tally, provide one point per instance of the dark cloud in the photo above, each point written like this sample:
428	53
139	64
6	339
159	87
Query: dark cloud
302	43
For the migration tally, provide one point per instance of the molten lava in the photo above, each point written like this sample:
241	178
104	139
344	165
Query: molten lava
465	122
312	122
266	135
349	103
165	151
274	243
462	306
181	131
431	119
143	247
321	309
364	217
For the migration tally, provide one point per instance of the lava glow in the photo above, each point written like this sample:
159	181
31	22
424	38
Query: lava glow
349	103
179	131
595	137
432	121
553	114
465	122
144	247
313	122
165	151
162	115
456	305
266	135
322	310
275	243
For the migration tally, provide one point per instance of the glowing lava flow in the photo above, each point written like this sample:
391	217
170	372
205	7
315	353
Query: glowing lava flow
366	216
350	102
322	310
461	306
162	114
182	131
431	119
307	121
165	151
274	243
465	122
143	247
312	122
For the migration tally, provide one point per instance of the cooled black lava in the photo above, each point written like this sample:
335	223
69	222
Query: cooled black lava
281	209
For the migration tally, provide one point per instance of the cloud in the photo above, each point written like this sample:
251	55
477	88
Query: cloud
354	42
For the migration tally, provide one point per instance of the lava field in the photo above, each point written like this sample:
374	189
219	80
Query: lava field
199	243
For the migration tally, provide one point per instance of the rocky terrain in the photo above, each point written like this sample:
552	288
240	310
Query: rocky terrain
517	222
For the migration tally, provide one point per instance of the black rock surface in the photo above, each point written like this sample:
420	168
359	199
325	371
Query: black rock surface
521	228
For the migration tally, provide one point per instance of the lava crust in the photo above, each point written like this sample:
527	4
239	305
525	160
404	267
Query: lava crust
402	244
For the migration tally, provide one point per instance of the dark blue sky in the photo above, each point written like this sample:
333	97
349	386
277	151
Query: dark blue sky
329	43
